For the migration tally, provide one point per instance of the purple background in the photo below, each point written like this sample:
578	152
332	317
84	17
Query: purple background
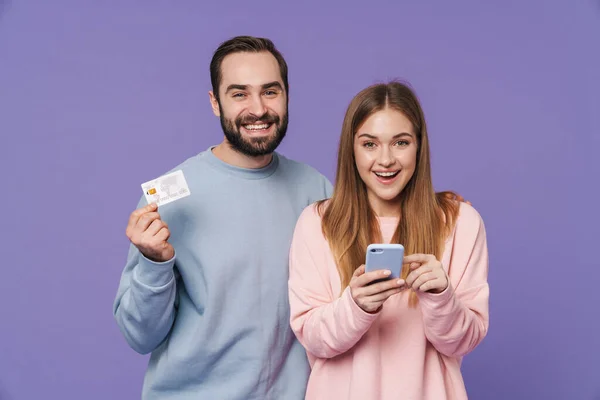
98	97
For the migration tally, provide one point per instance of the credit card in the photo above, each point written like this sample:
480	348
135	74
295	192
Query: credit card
166	189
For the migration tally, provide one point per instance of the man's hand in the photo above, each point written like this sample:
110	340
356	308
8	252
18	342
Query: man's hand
149	234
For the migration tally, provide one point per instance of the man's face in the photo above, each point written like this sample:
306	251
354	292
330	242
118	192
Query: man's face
252	103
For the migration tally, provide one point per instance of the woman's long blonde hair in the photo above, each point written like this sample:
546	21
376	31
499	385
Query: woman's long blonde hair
348	221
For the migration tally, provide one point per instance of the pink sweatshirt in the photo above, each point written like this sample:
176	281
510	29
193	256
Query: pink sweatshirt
400	352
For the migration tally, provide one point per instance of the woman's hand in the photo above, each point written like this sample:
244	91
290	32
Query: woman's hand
426	273
369	294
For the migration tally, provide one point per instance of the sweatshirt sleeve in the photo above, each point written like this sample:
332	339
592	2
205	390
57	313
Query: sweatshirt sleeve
144	307
457	320
325	323
328	188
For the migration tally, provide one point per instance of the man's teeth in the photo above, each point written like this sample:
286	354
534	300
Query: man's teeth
386	174
256	127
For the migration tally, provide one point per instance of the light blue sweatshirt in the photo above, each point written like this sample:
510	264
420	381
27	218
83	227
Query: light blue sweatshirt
216	317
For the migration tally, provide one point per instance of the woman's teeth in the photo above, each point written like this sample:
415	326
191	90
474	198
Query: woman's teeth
386	174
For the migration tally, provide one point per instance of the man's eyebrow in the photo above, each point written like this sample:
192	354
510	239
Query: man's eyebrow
273	84
237	86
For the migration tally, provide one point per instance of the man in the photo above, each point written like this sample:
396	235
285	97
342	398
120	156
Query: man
204	288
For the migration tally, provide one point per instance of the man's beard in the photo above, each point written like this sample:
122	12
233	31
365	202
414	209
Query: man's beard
254	146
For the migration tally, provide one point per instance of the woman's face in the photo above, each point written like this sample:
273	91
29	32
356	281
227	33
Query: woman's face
385	150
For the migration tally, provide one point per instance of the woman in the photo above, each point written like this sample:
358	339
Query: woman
396	338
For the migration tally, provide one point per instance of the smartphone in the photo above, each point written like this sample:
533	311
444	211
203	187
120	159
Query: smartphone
385	256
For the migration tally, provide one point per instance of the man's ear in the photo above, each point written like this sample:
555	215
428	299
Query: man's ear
214	103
